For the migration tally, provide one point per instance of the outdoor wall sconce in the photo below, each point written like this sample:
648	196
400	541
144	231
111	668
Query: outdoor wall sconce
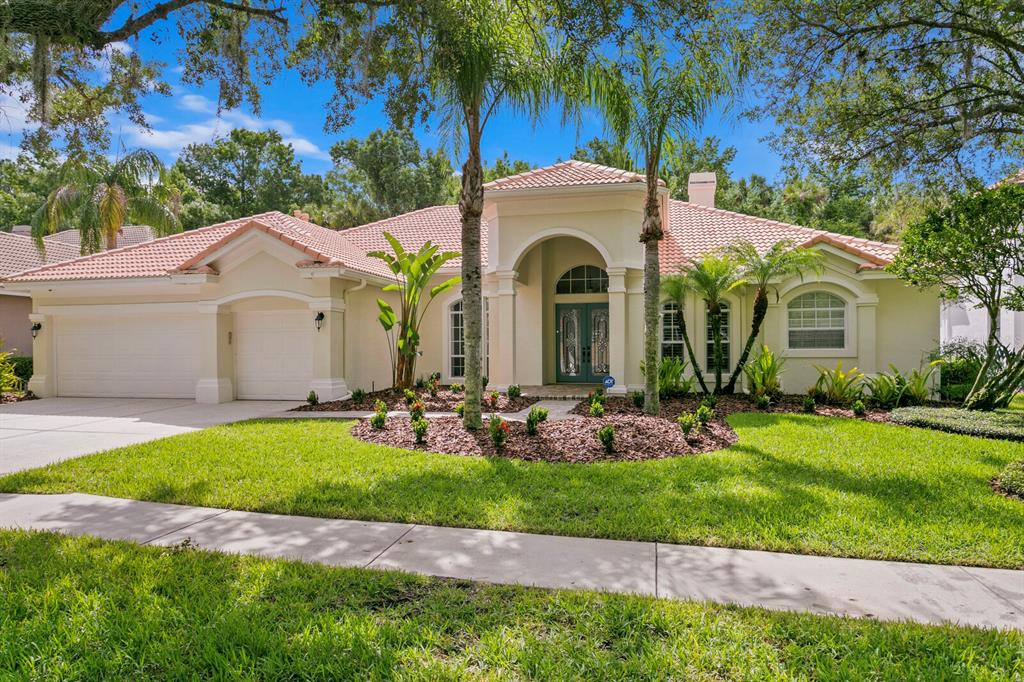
36	326
319	320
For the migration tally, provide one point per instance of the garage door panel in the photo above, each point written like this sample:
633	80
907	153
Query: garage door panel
141	356
273	354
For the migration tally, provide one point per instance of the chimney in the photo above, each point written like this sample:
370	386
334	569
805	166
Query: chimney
22	229
701	189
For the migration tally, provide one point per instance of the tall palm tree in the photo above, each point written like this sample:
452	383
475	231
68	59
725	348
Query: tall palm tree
673	290
646	98
97	199
782	260
485	54
712	277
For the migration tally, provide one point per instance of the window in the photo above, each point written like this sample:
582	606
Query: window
725	339
457	340
817	320
671	335
583	279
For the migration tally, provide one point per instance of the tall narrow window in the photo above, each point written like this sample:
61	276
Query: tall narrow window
711	339
817	320
671	334
457	350
583	279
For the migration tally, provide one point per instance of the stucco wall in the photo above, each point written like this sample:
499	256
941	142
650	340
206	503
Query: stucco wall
15	328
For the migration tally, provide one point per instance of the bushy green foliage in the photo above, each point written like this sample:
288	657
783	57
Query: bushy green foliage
419	428
380	406
886	390
416	410
456	388
534	417
378	419
460	409
809	404
312	398
492	398
762	402
710	401
359	396
638	398
671	380
409	395
499	430
606	434
704	414
961	359
514	391
836	386
9	379
22	367
858	408
764	373
1002	425
687	422
596	409
1011	480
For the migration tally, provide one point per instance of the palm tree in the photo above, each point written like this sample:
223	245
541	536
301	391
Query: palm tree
646	99
485	54
782	260
674	289
97	199
712	277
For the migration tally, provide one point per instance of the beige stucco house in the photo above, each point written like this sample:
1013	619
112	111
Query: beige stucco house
272	306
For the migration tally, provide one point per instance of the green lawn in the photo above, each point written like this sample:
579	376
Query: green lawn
793	483
80	608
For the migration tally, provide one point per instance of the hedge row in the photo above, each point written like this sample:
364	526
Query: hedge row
1002	425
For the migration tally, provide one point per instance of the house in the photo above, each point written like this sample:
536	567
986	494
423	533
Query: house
272	306
18	252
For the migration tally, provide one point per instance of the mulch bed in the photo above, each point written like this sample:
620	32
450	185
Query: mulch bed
16	397
570	440
443	401
728	404
998	489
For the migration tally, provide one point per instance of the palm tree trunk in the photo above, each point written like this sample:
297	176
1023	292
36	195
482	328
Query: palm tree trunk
715	313
471	206
689	350
111	239
760	310
650	236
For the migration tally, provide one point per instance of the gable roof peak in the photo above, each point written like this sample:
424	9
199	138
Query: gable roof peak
571	173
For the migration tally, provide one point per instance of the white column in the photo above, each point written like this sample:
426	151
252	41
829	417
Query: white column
617	329
329	350
43	382
503	340
216	355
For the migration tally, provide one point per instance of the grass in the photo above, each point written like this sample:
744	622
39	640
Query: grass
1004	424
80	608
794	483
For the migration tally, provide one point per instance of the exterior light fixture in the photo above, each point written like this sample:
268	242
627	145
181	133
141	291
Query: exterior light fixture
319	320
36	326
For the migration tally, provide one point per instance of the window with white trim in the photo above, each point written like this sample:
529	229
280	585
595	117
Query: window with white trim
817	320
457	340
671	334
583	279
710	347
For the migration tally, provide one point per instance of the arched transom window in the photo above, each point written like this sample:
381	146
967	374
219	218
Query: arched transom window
583	279
817	319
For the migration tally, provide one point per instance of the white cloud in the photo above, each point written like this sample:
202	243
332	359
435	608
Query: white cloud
9	151
198	103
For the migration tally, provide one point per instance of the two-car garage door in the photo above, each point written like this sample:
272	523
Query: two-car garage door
159	356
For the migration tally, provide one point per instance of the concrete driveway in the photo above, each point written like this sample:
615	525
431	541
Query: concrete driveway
38	432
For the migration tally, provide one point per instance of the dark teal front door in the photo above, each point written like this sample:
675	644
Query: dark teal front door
581	342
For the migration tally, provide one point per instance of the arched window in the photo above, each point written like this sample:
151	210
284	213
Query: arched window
817	320
583	279
457	340
710	347
671	334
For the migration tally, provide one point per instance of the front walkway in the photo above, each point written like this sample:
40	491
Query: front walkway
886	590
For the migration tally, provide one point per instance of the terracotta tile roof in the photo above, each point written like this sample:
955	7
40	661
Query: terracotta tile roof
569	173
129	234
19	252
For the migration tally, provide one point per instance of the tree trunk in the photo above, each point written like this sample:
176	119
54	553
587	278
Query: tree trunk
651	235
471	206
760	310
111	239
715	315
689	350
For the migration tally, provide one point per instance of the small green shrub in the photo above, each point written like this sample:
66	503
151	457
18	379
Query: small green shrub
1001	425
410	396
514	391
809	404
671	380
687	422
499	430
358	396
22	367
534	418
492	398
762	402
606	434
456	388
886	390
710	401
483	383
380	406
638	399
421	383
433	385
597	396
435	377
919	384
961	361
1011	480
704	414
419	429
596	409
460	409
9	379
838	387
416	410
764	373
312	398
378	419
858	408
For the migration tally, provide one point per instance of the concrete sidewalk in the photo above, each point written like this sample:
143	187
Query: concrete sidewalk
886	590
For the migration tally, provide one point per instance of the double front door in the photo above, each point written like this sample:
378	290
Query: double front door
581	342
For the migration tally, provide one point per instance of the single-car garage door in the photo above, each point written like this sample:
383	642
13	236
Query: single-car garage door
137	356
273	354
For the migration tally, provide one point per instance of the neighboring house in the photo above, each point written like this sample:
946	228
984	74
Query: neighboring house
18	252
234	310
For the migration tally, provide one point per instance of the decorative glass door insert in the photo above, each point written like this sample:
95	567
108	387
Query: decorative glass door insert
581	340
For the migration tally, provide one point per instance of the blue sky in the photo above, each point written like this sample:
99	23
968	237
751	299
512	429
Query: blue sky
297	111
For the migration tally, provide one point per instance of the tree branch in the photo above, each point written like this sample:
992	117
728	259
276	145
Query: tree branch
135	25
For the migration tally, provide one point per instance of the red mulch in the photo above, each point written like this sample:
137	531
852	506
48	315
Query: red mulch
728	404
444	401
998	489
16	397
569	440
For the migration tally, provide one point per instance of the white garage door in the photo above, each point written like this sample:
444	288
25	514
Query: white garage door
273	354
137	356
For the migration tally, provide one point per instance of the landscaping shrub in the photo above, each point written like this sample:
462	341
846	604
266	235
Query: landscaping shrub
419	429
704	414
22	367
687	422
597	396
671	382
9	379
809	404
499	430
534	418
886	390
434	385
596	409
837	387
961	361
380	406
762	402
358	396
858	408
460	409
312	398
763	374
710	401
410	396
493	398
919	384
606	434
483	383
1002	425
638	399
416	410
421	383
380	414
1011	480
514	391
456	388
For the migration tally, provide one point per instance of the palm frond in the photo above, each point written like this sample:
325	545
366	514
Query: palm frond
146	210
